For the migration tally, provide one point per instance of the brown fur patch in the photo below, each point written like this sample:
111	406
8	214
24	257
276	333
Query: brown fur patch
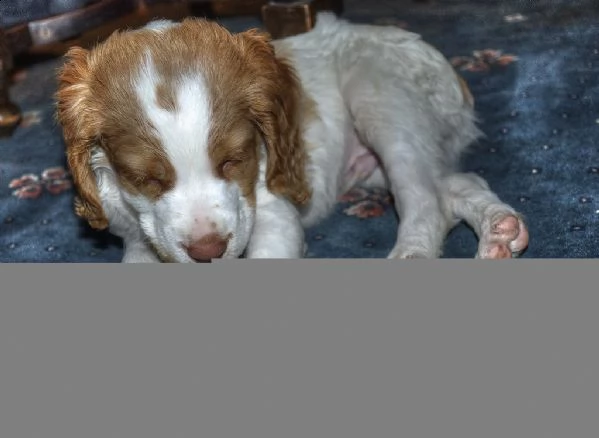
140	164
276	103
234	153
79	131
165	97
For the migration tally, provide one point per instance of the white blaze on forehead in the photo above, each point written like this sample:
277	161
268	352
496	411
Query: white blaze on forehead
183	132
200	202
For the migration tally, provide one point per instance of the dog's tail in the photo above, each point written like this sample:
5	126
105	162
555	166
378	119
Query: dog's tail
466	91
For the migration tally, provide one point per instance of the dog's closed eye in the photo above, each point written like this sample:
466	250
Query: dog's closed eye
154	185
142	172
230	167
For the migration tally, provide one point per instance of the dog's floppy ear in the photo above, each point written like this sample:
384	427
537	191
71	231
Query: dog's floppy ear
275	98
76	117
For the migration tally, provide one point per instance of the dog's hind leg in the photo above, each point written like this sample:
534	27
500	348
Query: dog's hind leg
501	231
411	180
423	224
403	129
410	173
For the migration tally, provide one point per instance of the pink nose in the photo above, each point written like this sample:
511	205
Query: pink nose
209	247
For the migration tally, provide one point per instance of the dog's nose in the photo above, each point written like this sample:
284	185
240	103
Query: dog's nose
211	246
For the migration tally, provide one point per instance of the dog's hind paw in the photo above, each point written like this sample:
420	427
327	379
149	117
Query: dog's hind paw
503	236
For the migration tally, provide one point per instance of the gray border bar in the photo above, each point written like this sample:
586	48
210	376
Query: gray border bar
310	348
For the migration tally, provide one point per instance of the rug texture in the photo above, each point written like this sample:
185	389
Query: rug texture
533	68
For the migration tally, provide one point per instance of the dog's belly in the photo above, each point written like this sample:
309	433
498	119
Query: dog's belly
361	163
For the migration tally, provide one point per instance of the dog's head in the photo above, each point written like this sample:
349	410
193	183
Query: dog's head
184	114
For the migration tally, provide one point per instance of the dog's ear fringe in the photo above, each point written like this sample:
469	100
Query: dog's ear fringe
275	101
74	116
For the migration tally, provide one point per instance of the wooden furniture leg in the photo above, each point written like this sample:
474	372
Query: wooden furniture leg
19	38
10	115
283	18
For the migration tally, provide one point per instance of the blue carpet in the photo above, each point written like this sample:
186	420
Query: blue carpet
532	67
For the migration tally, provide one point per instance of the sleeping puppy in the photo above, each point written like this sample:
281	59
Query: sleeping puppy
192	143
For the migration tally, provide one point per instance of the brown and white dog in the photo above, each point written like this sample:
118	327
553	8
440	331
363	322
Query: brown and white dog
193	143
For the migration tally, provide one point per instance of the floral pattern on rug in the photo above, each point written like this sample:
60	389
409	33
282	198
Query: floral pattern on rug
483	60
366	203
54	180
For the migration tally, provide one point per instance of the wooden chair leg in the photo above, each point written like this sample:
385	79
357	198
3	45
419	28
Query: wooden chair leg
283	18
10	115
